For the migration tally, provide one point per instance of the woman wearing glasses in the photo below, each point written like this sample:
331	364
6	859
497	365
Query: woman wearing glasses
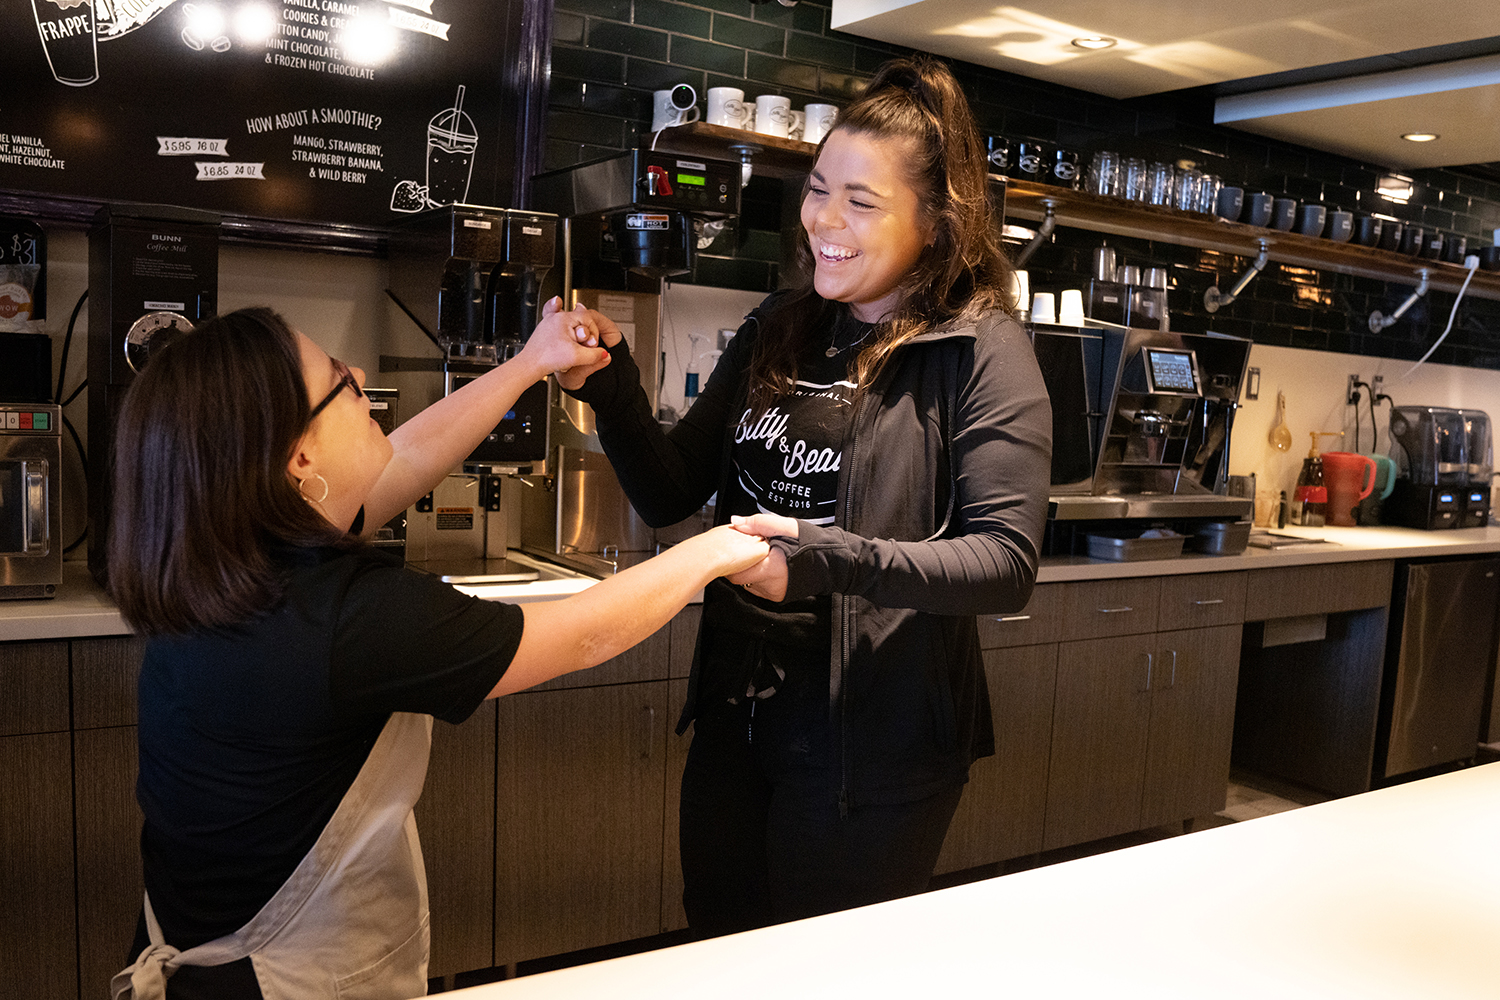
292	673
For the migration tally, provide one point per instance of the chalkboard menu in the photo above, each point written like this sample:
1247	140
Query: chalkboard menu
313	111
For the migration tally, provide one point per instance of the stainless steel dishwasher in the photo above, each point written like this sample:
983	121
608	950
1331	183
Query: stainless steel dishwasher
1439	653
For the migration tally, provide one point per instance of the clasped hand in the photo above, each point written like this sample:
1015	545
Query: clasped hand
589	328
768	578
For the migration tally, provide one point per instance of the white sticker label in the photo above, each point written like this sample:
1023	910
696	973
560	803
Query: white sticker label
478	224
167	145
151	306
230	171
531	230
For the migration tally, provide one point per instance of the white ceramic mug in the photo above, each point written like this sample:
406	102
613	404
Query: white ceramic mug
726	106
773	115
820	119
799	120
675	106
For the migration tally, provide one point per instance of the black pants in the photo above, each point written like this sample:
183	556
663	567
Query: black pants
761	835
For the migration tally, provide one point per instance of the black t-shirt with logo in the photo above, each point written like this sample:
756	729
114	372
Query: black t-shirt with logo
785	461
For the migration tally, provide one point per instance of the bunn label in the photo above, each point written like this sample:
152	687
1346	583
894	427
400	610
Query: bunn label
643	221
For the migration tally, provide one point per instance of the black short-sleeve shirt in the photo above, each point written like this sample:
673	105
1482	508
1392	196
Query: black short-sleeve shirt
250	736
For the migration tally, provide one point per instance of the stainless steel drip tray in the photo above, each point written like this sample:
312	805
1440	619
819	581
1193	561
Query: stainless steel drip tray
1147	505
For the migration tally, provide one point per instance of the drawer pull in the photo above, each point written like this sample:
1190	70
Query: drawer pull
1014	618
1173	682
1148	673
1112	611
1216	600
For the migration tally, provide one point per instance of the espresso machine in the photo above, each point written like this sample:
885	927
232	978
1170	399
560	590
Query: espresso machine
469	277
1444	462
1142	420
629	222
153	274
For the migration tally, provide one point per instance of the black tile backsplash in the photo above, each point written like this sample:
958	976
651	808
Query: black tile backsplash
608	55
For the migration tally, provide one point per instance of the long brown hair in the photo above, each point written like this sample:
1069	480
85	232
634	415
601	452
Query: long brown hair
201	491
919	103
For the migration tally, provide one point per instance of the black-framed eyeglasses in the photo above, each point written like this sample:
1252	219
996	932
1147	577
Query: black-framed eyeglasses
346	377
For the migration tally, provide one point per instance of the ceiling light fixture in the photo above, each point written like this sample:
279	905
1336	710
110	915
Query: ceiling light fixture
1096	42
1420	136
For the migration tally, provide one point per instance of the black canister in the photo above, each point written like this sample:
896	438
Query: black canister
1454	248
1367	230
1064	168
1432	246
1412	240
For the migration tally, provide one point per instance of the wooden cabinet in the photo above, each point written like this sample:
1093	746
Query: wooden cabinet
1001	813
38	921
579	812
456	823
1308	710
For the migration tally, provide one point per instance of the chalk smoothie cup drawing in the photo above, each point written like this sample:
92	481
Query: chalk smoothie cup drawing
67	30
451	143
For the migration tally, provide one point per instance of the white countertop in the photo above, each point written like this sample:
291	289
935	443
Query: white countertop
1389	894
81	608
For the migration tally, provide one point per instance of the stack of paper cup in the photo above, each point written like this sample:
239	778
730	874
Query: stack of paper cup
1020	290
1044	308
1070	311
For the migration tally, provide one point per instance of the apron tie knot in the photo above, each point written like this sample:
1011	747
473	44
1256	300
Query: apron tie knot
147	978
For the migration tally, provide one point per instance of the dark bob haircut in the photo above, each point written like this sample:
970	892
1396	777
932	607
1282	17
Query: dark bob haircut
201	493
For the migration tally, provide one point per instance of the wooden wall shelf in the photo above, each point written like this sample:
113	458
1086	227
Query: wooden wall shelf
1118	217
769	156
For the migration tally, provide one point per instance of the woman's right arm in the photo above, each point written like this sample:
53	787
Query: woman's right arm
588	628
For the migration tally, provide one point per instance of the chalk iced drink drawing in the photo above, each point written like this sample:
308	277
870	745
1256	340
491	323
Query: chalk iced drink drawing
451	142
67	30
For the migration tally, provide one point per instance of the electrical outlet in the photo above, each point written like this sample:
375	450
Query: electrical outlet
1351	396
1377	385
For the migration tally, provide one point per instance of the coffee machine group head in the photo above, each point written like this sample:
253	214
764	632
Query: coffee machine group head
470	276
153	274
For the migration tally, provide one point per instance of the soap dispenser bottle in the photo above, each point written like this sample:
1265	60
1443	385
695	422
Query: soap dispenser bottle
1310	498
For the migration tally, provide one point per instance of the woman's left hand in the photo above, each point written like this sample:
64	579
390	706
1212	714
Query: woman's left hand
768	578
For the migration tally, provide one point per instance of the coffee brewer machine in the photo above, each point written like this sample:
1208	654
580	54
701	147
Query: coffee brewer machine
1444	459
153	274
1141	429
628	222
469	277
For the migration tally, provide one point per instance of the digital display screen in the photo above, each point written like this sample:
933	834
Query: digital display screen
697	180
1171	370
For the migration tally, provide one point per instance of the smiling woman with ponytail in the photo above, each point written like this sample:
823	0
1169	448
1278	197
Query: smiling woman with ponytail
883	421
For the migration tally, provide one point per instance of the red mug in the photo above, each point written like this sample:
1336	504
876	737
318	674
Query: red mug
1349	478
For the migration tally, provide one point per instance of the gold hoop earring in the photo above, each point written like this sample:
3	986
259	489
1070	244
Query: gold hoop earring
317	500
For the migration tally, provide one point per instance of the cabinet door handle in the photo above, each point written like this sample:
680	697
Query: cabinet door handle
1014	618
1112	611
648	714
1172	681
1216	600
1148	672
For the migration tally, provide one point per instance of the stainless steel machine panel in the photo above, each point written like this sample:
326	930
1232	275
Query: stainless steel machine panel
1438	658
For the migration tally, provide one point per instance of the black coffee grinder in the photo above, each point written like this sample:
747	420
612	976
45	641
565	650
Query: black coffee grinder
153	274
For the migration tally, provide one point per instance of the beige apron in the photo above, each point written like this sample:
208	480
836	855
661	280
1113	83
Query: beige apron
351	921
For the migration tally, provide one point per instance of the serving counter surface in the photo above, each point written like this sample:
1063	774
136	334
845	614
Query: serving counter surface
81	608
1386	894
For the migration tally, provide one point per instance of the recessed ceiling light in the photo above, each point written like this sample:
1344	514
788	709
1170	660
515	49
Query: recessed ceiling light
1420	136
1095	42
